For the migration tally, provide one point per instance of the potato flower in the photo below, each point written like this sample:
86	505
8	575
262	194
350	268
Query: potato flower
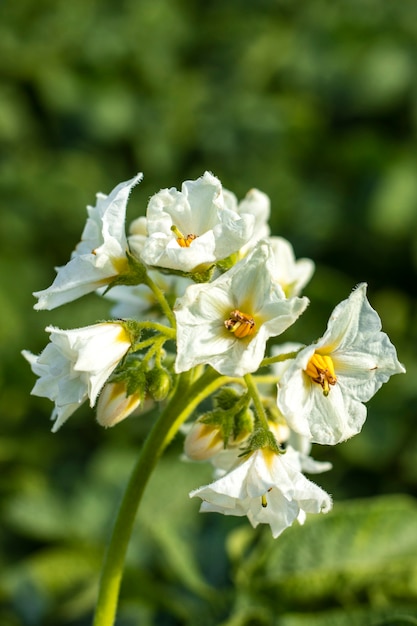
322	390
75	365
101	254
191	229
268	488
226	323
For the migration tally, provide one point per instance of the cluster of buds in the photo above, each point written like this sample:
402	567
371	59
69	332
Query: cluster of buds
199	283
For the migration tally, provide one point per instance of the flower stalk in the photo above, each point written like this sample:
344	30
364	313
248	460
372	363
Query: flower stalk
183	402
254	394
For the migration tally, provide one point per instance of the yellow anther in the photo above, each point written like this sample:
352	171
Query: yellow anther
320	368
240	324
183	241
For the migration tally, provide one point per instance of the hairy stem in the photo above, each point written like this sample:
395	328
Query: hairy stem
254	394
162	301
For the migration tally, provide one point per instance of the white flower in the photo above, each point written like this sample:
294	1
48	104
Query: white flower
322	390
101	254
227	323
255	203
75	365
291	274
268	488
191	229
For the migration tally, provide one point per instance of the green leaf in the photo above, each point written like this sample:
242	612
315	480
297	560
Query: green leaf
353	617
363	555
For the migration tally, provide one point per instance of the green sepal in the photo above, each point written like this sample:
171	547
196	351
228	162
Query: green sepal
261	439
135	275
226	398
233	426
226	264
202	275
222	420
133	374
134	331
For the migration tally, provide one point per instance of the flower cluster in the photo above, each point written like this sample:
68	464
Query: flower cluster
198	287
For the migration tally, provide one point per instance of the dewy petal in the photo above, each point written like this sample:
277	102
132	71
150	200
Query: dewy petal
363	359
202	311
100	255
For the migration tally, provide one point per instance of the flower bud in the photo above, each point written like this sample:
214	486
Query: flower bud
114	405
203	441
280	431
158	384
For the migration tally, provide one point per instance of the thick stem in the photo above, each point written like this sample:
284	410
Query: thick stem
184	400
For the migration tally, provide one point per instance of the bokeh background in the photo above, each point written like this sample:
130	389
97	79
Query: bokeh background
314	103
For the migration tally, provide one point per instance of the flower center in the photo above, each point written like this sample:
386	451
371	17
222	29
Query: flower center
240	324
321	370
182	241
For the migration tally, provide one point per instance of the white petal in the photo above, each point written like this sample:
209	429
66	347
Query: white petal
363	359
97	258
199	209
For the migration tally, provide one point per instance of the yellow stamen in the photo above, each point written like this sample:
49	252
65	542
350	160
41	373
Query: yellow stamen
320	368
240	324
183	241
264	501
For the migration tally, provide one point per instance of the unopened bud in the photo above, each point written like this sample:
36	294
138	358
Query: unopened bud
114	405
203	441
158	384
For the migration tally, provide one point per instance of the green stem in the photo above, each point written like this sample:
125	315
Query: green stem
185	399
267	379
269	360
162	301
168	333
253	392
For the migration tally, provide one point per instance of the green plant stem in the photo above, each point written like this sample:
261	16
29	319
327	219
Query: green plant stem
269	360
268	379
162	301
185	399
253	392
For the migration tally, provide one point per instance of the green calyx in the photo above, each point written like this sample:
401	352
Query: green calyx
158	383
132	374
231	416
136	273
263	439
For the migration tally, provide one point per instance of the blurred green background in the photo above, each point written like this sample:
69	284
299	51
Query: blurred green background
314	103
